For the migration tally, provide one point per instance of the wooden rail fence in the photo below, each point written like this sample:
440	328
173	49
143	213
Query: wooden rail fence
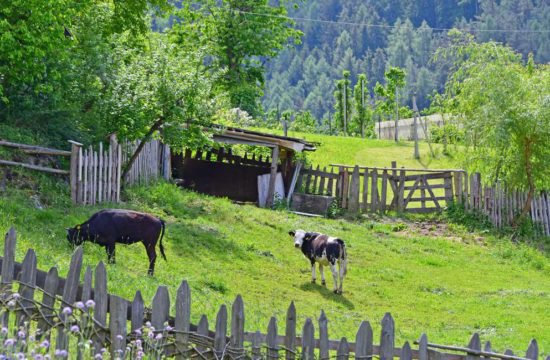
32	149
113	316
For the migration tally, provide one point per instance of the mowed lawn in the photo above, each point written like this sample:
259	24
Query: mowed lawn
372	152
445	287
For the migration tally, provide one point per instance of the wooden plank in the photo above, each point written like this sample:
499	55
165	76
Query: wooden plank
290	332
272	177
161	308
257	346
271	339
363	341
308	175
475	345
374	206
119	172
295	177
345	189
35	167
85	160
406	352
308	341
45	322
74	173
384	191
420	199
419	180
322	183
353	205
137	312
237	325
33	149
221	332
321	173
182	322
80	188
95	184
401	197
423	348
404	168
26	290
387	338
330	184
202	329
69	295
365	207
343	350
429	176
323	334
432	196
532	350
117	326
423	186
100	173
100	298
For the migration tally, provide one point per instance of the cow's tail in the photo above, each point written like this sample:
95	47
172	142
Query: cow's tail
160	242
343	256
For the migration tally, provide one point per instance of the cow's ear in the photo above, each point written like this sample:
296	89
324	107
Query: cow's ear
77	227
291	233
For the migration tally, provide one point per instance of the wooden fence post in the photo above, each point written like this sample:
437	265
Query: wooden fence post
384	191
308	341
75	147
138	309
161	308
323	336
26	289
182	322
271	340
343	350
117	326
533	350
387	338
406	352
48	301
237	325
221	332
474	344
257	346
69	295
423	348
353	206
363	341
374	199
290	333
202	329
100	298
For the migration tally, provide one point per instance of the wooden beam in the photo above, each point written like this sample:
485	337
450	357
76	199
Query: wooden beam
272	177
35	149
402	168
34	167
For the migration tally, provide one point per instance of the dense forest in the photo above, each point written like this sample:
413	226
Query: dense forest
369	36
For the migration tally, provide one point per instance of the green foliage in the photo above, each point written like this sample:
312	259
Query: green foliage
363	114
504	112
239	34
395	79
343	107
304	122
448	133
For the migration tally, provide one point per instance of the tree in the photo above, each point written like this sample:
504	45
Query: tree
395	79
343	102
505	110
159	88
242	35
363	115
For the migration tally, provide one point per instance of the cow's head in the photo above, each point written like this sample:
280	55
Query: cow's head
75	235
299	237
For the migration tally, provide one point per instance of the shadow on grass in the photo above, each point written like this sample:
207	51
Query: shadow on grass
328	294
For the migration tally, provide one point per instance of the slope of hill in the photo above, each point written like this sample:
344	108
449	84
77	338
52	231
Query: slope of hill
448	286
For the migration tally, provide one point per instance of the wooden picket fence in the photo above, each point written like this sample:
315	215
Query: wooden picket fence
226	155
113	316
375	189
501	204
95	174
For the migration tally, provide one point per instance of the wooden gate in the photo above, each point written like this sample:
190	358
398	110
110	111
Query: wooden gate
421	193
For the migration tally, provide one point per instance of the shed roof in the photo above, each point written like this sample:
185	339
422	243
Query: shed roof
231	135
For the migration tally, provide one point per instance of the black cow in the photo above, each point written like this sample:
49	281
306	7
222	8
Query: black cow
107	227
325	250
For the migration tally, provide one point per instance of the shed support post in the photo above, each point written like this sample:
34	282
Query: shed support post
271	189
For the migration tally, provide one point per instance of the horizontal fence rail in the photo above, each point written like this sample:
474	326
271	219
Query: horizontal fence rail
118	323
33	149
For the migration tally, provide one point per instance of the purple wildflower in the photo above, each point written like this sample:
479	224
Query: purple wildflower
168	328
119	337
21	334
159	336
67	311
16	296
150	335
90	304
79	304
9	342
138	332
45	344
4	331
11	304
75	328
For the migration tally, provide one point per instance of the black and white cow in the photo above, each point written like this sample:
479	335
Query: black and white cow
325	250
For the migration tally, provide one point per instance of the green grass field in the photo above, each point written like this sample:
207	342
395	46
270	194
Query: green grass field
447	286
369	152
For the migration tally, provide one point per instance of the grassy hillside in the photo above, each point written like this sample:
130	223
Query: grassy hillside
448	286
371	152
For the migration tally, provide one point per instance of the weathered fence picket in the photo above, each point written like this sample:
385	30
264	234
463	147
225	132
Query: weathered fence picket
184	340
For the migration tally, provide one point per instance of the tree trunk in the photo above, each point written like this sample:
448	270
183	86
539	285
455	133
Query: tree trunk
146	138
530	194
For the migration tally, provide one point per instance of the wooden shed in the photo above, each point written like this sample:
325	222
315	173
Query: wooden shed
221	173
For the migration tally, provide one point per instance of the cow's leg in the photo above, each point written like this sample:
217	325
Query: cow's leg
342	272
152	254
323	282
313	276
110	253
334	276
